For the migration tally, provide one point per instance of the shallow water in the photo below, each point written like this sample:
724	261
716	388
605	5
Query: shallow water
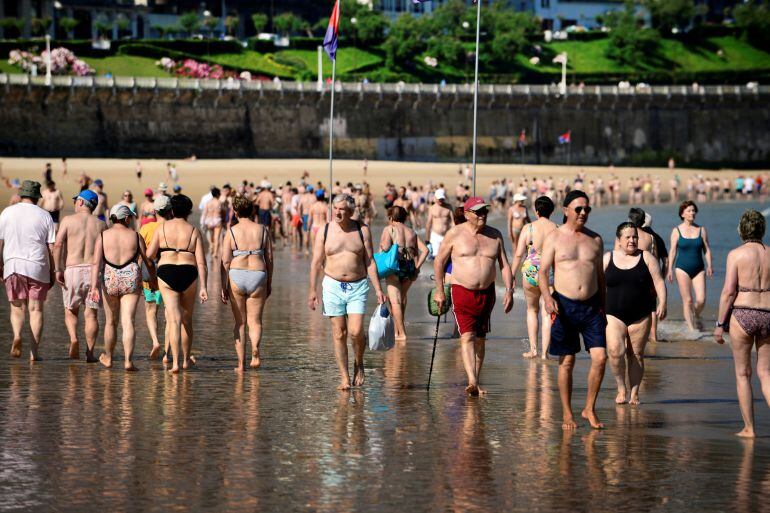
77	437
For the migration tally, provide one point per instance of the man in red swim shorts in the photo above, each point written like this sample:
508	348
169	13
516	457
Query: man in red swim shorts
475	249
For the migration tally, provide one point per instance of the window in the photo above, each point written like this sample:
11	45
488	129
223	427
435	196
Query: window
545	4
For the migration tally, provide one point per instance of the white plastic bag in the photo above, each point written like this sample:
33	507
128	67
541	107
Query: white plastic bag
382	334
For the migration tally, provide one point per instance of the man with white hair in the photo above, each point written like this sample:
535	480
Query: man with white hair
440	220
344	255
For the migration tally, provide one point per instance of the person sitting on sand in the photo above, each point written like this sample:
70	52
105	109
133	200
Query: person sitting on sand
577	304
343	253
27	236
474	248
247	276
116	260
73	257
744	308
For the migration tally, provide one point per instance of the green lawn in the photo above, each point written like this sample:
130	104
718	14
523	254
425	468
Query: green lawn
7	68
348	60
125	66
252	61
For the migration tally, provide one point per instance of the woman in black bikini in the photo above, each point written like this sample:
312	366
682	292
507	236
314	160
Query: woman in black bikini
744	307
633	281
182	263
412	253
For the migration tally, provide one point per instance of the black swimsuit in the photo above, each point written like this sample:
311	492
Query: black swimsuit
179	277
630	296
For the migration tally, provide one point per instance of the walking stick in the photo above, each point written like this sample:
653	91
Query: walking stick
433	356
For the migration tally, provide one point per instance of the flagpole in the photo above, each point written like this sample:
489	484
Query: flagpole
331	136
476	90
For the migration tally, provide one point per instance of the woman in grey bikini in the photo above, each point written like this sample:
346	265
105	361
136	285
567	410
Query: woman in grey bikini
746	294
247	263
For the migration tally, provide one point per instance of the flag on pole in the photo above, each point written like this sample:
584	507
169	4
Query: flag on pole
523	138
564	138
332	31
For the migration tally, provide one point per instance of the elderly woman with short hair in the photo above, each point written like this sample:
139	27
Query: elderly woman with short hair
744	308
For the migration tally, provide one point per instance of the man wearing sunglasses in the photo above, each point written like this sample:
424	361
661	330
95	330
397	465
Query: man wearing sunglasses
474	249
577	304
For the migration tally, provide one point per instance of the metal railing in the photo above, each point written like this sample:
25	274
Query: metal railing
173	83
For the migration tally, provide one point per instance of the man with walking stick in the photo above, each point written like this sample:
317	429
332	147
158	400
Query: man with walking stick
474	248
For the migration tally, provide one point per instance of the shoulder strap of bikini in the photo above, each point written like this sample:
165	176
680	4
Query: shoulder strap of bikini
678	230
233	236
192	234
360	232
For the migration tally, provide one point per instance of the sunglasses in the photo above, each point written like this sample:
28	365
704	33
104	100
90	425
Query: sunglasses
480	212
578	210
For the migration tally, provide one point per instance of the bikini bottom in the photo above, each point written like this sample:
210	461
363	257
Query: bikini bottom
754	321
178	277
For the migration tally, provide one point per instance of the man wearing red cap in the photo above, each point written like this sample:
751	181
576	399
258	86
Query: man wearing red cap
474	248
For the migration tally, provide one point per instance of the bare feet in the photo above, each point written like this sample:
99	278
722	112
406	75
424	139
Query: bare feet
90	358
345	385
239	369
747	432
74	353
190	362
166	360
621	397
569	423
530	354
472	390
592	419
130	367
105	360
255	363
358	375
155	352
174	369
16	348
400	338
482	391
634	399
34	357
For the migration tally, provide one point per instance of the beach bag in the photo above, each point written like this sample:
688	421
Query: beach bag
382	334
387	262
433	308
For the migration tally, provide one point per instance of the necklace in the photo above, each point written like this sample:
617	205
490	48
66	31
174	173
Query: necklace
756	241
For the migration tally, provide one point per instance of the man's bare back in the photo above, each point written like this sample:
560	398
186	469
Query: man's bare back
319	214
78	234
265	200
52	200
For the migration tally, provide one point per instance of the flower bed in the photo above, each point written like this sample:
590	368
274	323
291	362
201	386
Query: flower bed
63	62
190	68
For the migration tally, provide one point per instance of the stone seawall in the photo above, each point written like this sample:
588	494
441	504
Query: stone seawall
105	117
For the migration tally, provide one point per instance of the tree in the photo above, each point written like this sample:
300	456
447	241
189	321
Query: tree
13	25
40	26
511	33
753	19
669	14
287	22
259	21
68	25
404	41
103	26
211	23
190	22
630	43
231	24
123	23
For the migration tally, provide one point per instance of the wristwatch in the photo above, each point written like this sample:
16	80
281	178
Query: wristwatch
720	324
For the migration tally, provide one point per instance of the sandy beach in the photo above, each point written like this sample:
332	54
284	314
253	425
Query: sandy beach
196	177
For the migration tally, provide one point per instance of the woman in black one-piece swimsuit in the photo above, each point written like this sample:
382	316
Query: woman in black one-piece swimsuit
633	281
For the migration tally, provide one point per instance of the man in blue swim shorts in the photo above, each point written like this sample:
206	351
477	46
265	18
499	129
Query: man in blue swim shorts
344	255
577	304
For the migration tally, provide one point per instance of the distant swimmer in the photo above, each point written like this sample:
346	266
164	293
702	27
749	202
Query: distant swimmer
52	201
529	253
690	262
744	308
343	253
212	219
73	256
634	283
475	249
440	220
27	237
247	276
103	206
517	218
577	304
116	261
318	216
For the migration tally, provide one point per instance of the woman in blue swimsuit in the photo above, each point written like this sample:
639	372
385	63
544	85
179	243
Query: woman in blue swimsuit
690	261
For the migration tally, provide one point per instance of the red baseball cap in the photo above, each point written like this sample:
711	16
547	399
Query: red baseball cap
475	203
148	192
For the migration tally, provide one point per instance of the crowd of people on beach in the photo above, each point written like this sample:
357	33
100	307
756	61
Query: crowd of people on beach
111	257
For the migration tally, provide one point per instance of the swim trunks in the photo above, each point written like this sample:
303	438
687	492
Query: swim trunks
264	217
344	298
473	309
55	216
77	280
296	221
18	287
153	296
304	222
435	243
577	318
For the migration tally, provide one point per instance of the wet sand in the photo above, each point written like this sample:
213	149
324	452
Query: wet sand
78	437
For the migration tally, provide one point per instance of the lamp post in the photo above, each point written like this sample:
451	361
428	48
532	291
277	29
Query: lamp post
56	6
206	16
353	22
48	59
